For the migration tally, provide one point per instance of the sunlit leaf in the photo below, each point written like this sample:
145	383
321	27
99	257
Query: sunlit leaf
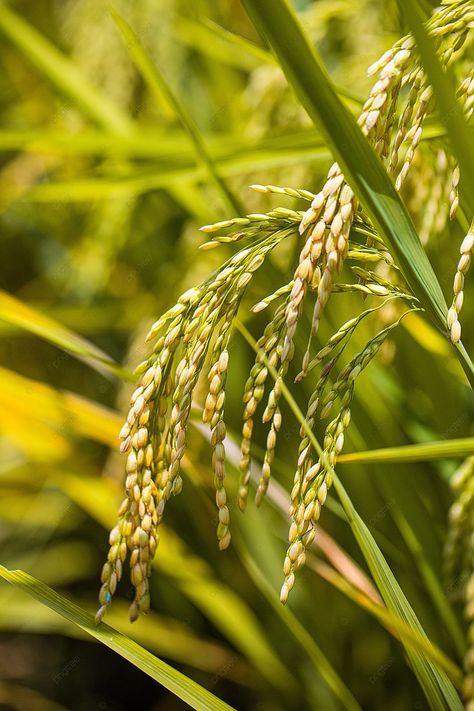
427	451
52	410
18	314
182	686
191	574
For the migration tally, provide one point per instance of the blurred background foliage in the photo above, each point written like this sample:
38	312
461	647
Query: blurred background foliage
101	197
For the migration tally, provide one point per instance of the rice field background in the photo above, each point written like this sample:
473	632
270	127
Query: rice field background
125	128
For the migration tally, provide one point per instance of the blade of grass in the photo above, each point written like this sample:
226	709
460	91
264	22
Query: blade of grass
159	86
25	401
62	72
413	519
429	451
99	189
214	43
238	52
277	22
238	43
414	524
298	631
219	603
18	314
172	147
182	686
387	619
163	636
438	689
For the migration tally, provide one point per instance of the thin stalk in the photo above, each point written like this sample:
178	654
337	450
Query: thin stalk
435	684
161	88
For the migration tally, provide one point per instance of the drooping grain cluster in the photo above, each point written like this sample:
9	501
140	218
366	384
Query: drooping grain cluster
465	250
459	561
332	209
154	434
192	338
428	188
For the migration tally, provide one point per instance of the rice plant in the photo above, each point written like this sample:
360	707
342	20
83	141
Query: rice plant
333	274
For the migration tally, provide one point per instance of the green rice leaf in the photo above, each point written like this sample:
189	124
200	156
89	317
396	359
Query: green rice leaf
390	621
298	631
17	314
164	636
160	87
174	147
182	686
226	610
229	47
277	22
62	72
439	691
429	451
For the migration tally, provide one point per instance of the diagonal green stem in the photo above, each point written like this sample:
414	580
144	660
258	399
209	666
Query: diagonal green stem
160	88
436	685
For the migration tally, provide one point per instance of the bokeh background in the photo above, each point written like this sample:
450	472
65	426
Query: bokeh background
101	200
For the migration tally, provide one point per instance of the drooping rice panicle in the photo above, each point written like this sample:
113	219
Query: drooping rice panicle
213	413
154	434
311	486
254	391
192	338
272	414
277	190
459	561
435	206
464	262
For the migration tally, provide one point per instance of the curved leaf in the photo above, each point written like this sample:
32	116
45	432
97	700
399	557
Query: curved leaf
182	686
429	451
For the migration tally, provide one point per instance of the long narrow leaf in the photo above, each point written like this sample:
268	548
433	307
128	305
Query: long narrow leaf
277	22
226	610
298	631
18	314
62	72
173	146
429	451
159	87
239	51
184	688
164	636
392	623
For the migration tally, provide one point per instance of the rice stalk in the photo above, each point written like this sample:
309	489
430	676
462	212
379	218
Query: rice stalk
192	339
